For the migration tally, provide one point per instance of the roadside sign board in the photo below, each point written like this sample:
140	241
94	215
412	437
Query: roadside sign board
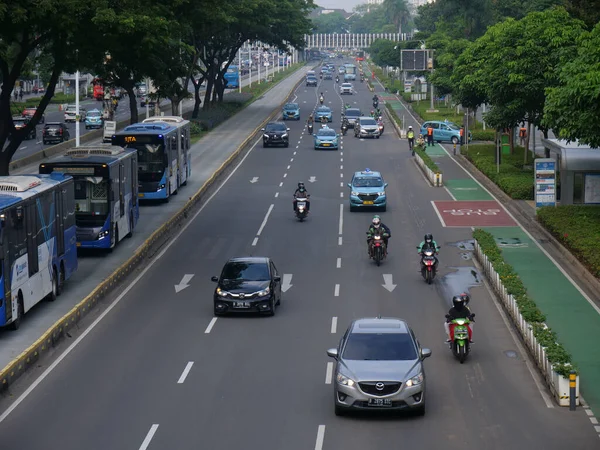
545	182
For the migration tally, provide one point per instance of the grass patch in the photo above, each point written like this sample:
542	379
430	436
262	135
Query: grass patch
557	355
59	98
420	150
577	227
513	178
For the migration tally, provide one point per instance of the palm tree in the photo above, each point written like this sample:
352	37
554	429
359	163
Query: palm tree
398	11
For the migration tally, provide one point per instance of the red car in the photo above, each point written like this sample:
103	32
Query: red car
29	112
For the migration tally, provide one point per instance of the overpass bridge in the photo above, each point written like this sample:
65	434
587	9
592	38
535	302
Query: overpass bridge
345	41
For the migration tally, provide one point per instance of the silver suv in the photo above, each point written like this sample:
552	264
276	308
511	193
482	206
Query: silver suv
379	366
366	127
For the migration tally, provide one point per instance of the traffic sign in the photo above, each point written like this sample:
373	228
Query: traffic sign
487	213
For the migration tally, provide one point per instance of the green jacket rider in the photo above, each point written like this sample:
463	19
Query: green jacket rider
428	242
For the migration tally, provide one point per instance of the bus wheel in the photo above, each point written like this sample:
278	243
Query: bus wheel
15	324
54	292
61	278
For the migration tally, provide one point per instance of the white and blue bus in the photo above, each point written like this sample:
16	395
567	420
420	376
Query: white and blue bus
350	74
233	77
164	157
106	192
38	247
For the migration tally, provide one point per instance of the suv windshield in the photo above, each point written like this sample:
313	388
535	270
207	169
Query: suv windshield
275	127
368	122
245	271
368	182
379	347
326	132
353	112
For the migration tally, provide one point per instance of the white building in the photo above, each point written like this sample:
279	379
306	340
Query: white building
374	2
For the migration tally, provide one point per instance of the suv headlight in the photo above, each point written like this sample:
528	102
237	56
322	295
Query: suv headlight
415	381
381	193
354	193
284	135
266	135
264	292
222	293
344	380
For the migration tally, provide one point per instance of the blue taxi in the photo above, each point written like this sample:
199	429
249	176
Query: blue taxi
367	190
93	119
326	138
323	111
443	131
291	111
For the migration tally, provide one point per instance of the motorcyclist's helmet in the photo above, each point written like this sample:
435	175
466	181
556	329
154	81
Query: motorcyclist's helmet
458	302
466	297
410	127
376	221
301	185
428	238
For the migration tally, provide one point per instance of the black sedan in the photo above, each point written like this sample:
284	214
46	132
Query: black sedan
276	133
250	284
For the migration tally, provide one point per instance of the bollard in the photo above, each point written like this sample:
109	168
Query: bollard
437	179
455	149
572	390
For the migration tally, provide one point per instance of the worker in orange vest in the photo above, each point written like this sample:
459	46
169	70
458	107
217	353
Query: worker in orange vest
430	135
462	135
522	134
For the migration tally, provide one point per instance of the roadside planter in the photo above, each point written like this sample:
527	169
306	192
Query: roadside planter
435	178
558	383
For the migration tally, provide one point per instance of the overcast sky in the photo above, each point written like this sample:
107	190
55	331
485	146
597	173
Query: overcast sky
348	5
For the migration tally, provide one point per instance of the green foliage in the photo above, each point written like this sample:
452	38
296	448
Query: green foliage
447	51
555	352
513	179
484	135
421	151
330	23
370	19
466	19
383	53
468	78
57	99
577	227
573	106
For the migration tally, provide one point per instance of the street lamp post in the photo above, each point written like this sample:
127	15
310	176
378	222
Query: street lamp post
77	117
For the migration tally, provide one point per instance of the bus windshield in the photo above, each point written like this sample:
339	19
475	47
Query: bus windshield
91	201
151	161
351	69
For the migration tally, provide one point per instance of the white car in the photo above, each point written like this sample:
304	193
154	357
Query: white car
346	88
70	113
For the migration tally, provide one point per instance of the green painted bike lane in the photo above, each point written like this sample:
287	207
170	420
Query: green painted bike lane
568	313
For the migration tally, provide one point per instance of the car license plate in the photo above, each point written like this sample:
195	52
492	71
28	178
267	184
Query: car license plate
381	402
241	304
368	202
78	244
140	194
326	145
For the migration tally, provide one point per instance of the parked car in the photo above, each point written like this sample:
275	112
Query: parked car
443	131
55	132
21	122
29	113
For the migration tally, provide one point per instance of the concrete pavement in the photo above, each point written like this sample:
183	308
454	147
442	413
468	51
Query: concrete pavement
160	372
207	155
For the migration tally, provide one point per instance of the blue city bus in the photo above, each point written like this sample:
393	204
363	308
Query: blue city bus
164	156
37	241
106	192
233	77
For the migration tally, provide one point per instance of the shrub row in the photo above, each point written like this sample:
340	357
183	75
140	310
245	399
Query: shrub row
59	98
555	352
577	227
513	178
483	135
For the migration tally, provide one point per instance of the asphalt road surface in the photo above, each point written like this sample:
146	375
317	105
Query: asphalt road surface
160	372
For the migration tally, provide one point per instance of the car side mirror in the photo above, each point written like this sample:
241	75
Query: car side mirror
262	129
288	129
277	279
385	185
214	279
425	353
332	353
349	185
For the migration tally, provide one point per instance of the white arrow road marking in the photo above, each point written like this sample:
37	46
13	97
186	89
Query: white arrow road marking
184	282
312	179
254	180
286	284
388	282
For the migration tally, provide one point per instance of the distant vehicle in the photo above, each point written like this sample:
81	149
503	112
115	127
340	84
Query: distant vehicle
233	77
379	365
98	91
360	56
55	132
328	75
350	74
366	127
71	114
37	219
311	81
326	138
29	113
164	157
106	192
346	88
323	111
276	133
291	111
352	114
93	119
21	122
367	189
251	284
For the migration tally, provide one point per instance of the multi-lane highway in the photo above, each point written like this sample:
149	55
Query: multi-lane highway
160	372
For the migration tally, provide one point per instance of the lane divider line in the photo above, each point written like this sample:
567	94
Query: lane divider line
288	167
329	373
264	222
341	223
341	194
341	175
336	290
294	153
210	326
284	175
254	242
149	437
320	437
333	325
340	240
281	184
342	167
341	184
276	194
338	264
185	372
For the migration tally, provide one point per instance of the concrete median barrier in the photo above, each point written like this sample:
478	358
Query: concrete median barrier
147	250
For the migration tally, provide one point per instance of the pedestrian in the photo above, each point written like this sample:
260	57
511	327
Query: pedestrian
462	135
522	134
21	94
430	135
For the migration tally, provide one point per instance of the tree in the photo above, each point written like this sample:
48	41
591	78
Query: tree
385	53
53	27
572	107
333	22
586	10
447	51
397	11
371	19
467	19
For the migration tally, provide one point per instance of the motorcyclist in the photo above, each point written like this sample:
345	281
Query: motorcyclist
375	101
379	228
310	123
337	78
301	192
345	124
428	242
459	310
321	98
324	120
410	135
421	141
372	114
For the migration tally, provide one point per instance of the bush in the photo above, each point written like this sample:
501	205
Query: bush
577	227
484	135
513	178
555	352
420	150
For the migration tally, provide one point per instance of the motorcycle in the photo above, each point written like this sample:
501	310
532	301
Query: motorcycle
344	129
378	250
428	264
375	104
321	100
362	79
381	126
460	345
310	128
301	211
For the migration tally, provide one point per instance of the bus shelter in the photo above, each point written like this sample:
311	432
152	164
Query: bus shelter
579	171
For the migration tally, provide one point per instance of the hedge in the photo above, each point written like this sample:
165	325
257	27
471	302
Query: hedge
59	98
577	227
513	178
557	355
483	135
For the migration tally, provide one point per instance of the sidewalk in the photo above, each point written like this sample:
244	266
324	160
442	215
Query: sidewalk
574	318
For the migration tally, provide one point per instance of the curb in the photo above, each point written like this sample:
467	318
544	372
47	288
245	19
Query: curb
52	336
